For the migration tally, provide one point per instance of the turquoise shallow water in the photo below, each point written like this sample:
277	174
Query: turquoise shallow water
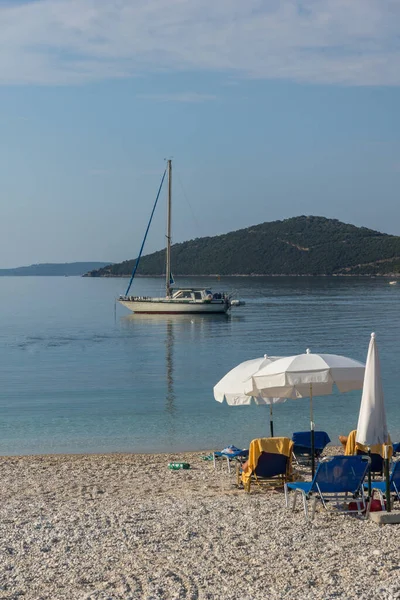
78	377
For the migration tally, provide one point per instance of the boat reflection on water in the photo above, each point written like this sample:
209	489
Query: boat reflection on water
151	329
169	363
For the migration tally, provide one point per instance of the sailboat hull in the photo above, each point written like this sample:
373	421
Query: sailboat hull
171	306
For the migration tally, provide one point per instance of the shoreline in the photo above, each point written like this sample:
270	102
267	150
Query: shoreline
331	448
140	276
126	453
335	275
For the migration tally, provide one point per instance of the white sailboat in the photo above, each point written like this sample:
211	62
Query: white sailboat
178	301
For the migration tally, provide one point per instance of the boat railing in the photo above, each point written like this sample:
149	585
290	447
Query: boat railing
138	299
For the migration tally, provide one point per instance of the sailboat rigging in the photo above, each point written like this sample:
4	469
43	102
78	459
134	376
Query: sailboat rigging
183	300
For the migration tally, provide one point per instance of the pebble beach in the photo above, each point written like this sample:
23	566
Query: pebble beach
124	526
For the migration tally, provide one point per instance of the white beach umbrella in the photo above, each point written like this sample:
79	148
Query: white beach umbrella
307	375
232	386
372	425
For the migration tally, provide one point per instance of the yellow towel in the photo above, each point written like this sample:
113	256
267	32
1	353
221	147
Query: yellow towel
352	446
275	445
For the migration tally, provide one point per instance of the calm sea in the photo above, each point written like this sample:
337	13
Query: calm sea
79	375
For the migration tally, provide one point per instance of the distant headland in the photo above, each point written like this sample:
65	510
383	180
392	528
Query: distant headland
305	245
60	269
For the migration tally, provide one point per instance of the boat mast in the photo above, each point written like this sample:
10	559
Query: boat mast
168	265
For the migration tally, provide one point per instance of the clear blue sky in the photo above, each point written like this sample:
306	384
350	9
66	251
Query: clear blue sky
269	109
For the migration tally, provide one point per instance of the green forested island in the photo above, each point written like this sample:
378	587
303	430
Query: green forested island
297	246
66	269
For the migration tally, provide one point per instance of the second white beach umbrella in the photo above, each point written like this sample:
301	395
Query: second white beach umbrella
232	386
372	425
307	375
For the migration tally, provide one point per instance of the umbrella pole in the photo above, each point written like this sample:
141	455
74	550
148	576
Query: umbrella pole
312	435
369	475
271	422
387	478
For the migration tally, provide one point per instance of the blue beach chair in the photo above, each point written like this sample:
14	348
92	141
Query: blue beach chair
230	453
337	477
376	463
269	463
302	443
380	486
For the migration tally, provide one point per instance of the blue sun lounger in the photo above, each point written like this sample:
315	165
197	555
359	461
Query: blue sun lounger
336	478
230	453
376	463
380	486
302	443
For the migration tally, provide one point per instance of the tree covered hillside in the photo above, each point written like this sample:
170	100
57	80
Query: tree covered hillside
297	246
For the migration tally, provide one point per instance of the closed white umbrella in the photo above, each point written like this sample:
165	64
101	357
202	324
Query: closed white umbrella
232	386
372	424
307	375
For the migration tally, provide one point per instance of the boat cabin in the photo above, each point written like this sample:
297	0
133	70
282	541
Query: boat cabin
198	295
